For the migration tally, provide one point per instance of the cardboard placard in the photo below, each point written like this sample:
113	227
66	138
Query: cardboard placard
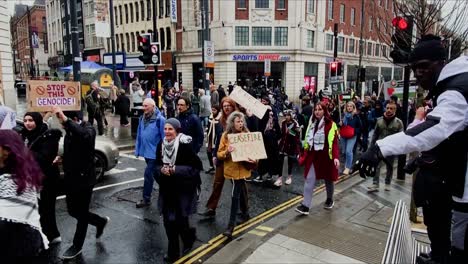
247	145
248	102
43	95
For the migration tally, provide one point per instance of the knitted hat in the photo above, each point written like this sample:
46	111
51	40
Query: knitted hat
429	47
174	123
73	114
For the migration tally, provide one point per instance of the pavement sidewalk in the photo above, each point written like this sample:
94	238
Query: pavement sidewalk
354	231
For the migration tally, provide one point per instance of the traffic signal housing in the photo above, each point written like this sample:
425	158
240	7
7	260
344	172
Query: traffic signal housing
336	68
402	38
144	46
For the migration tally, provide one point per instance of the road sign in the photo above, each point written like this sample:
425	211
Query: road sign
155	59
267	67
156	53
336	79
209	54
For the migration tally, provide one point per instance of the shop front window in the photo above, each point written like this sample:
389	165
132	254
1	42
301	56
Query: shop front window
251	75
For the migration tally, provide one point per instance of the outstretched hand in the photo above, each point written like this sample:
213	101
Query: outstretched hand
368	162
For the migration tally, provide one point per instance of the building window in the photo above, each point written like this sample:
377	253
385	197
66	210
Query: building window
168	8
310	6
369	49
120	15
148	9
137	12
200	38
310	39
384	51
162	40
329	42
131	13
340	47
353	17
351	43
242	36
161	8
142	8
262	3
371	26
330	9
342	13
377	50
168	38
242	4
281	36
281	4
117	42
132	39
261	36
116	15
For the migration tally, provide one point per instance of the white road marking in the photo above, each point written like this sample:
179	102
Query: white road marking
117	171
107	186
131	156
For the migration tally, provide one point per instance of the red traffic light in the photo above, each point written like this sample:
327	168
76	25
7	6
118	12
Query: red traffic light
400	23
333	65
153	92
142	39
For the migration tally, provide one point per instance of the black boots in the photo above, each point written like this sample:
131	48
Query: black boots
229	231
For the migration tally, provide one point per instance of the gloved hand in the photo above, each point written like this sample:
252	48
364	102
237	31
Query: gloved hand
368	162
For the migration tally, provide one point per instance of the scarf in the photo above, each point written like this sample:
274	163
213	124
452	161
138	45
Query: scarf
269	124
317	139
211	129
388	119
347	117
170	150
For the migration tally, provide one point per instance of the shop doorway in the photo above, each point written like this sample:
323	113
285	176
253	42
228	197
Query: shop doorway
251	74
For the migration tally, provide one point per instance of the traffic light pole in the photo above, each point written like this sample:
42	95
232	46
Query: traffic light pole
155	39
205	33
361	47
75	43
111	13
406	84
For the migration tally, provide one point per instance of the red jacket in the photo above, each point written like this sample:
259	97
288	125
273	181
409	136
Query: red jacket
324	166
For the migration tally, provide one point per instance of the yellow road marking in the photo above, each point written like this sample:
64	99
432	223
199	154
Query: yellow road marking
264	228
257	233
218	240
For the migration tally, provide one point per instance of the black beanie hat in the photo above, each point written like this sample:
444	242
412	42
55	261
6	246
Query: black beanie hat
73	114
37	117
429	47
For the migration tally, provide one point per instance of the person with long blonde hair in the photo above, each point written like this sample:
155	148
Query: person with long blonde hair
352	122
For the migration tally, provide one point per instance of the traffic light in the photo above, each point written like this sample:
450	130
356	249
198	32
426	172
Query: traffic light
144	46
335	69
402	39
153	93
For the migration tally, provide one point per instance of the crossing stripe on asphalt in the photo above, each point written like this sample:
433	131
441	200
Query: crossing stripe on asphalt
108	186
198	253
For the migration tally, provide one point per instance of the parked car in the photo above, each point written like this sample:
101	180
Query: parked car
106	153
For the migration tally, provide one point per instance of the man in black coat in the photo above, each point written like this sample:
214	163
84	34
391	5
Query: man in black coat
80	176
122	107
191	124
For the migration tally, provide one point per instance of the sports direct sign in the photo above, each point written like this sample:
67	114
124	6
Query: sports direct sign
260	57
43	95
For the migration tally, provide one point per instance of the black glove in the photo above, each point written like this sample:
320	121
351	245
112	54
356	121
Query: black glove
368	162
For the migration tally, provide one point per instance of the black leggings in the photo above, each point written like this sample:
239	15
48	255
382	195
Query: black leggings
291	161
239	198
178	227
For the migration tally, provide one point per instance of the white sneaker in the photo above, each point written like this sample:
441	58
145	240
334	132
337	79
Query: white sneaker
288	180
279	182
346	171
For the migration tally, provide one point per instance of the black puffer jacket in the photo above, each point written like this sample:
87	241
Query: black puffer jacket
78	156
44	144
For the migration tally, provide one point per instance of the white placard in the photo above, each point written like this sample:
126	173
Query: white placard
247	146
248	102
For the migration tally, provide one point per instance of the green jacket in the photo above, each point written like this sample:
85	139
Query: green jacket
382	130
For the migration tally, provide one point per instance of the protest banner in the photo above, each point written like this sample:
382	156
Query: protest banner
248	102
43	95
247	145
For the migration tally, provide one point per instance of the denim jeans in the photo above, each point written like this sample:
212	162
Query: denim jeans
348	145
149	179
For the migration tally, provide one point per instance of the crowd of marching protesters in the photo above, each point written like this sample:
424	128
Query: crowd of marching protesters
316	135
